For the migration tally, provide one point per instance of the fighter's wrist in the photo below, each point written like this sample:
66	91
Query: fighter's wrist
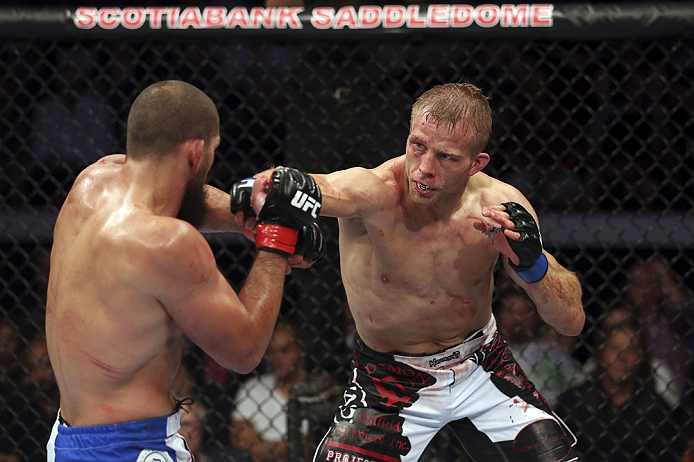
535	272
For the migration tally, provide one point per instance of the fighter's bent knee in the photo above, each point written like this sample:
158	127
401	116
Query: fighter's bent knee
542	441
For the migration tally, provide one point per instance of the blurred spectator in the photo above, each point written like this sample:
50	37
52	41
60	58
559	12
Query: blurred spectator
4	457
259	424
10	373
686	419
543	354
193	429
661	375
666	314
184	385
616	414
548	363
9	357
517	320
31	410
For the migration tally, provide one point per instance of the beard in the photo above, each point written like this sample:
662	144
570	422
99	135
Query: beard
193	204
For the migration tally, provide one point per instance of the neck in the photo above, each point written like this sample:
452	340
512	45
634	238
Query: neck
158	186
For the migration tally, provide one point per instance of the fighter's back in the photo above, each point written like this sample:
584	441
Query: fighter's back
112	345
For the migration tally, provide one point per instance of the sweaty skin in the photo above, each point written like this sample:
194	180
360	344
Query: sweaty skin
128	279
416	256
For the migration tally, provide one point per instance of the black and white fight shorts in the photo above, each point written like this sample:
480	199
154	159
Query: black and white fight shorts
397	403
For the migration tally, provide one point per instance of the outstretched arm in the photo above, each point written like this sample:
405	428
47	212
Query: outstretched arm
352	192
555	290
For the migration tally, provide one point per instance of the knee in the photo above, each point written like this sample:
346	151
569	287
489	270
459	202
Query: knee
543	441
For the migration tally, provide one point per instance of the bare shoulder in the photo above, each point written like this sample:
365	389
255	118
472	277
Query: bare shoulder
493	191
170	239
171	250
391	170
95	174
391	174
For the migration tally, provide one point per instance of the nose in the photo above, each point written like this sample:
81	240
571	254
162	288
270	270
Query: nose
427	165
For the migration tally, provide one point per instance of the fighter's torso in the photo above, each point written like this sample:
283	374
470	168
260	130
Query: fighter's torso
420	286
113	348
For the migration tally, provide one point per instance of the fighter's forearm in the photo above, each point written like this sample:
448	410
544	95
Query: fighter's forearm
261	294
557	297
218	217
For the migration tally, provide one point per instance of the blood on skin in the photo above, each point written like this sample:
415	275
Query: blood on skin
459	305
200	253
109	370
106	409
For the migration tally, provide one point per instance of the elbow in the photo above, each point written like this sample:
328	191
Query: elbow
241	362
244	368
246	363
575	326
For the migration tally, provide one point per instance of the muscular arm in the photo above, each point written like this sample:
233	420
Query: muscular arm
350	193
557	297
234	329
218	217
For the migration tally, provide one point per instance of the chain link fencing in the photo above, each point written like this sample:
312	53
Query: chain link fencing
595	132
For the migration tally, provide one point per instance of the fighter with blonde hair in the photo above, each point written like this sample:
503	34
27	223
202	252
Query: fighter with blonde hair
420	236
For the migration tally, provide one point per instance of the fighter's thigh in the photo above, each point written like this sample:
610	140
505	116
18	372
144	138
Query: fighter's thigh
367	435
543	440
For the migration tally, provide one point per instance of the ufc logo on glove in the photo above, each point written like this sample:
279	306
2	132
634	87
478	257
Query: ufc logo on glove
304	202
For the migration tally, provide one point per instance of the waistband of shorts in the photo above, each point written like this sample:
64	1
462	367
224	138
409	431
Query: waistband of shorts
153	427
441	359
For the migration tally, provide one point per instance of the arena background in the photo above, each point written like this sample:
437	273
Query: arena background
592	121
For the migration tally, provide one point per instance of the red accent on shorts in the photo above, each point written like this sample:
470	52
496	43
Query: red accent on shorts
276	237
362	451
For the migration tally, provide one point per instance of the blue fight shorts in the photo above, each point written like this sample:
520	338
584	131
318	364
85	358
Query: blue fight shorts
397	403
146	440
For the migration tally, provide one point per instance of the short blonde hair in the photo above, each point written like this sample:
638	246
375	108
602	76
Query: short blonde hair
458	105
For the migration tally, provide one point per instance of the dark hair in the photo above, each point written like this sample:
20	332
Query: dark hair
458	105
167	114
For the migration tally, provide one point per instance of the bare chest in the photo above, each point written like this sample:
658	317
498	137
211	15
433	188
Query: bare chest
447	255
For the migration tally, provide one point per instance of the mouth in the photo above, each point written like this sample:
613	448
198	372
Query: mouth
422	188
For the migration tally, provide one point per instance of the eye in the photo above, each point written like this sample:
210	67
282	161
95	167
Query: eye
445	156
417	147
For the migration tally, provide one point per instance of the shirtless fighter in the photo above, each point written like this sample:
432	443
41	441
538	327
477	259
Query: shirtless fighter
129	277
419	238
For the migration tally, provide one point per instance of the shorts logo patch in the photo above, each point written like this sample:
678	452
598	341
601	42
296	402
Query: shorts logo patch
436	361
150	455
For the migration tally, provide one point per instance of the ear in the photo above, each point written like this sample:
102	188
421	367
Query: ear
479	162
193	150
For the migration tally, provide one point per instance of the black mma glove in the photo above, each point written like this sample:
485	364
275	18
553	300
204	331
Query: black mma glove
532	263
310	241
240	196
293	200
